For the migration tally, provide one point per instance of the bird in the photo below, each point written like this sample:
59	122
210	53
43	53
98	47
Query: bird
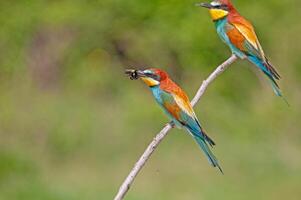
176	105
239	34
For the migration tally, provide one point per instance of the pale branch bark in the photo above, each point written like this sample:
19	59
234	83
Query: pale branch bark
160	136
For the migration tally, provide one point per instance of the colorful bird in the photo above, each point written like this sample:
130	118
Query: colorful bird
177	106
238	33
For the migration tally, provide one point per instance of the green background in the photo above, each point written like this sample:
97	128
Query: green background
72	125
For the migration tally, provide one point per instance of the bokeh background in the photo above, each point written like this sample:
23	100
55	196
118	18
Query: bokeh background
72	125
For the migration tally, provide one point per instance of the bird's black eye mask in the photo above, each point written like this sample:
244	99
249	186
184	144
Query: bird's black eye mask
222	6
153	76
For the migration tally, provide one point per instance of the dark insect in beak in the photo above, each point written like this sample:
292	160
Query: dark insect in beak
133	74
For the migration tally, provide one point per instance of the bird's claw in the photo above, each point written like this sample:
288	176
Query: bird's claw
172	124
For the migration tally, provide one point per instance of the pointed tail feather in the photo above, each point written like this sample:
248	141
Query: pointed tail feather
276	88
203	133
209	140
269	71
211	158
272	69
265	68
278	92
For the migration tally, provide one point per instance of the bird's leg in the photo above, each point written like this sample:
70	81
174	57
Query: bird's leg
172	124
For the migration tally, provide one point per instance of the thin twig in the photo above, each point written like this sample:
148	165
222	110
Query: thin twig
160	136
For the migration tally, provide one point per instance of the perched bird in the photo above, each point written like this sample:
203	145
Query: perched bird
238	33
176	105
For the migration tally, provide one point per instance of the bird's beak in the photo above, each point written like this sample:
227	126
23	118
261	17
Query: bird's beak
205	5
140	73
134	74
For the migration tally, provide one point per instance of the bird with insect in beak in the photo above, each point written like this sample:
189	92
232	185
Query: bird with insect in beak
239	34
175	103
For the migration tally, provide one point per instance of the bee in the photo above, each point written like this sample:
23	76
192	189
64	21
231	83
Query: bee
133	74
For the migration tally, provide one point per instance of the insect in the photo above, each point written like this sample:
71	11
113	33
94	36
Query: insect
133	74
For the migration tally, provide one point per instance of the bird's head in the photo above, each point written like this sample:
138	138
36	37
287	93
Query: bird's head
218	9
151	77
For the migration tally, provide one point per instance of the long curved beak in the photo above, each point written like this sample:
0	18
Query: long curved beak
204	5
134	74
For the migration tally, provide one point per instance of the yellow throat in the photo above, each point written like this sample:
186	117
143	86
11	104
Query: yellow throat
150	82
217	14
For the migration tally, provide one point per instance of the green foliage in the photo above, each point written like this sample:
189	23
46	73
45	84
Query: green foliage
72	125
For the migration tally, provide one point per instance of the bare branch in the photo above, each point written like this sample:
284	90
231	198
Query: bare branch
156	141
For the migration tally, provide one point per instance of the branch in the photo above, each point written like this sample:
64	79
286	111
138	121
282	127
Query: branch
160	136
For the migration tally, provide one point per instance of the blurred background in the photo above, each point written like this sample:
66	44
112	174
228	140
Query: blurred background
72	125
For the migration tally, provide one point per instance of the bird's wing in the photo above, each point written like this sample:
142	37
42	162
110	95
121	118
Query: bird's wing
187	115
246	29
173	93
242	34
179	107
184	103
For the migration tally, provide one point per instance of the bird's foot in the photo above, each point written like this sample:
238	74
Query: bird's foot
172	124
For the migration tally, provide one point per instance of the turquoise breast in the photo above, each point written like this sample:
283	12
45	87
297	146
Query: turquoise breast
222	26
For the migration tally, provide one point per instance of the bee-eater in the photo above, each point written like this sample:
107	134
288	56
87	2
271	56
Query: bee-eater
175	103
239	34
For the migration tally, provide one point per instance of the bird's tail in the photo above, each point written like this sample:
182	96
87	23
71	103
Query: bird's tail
270	72
278	92
211	158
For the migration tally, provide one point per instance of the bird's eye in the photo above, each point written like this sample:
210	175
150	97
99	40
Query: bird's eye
221	6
